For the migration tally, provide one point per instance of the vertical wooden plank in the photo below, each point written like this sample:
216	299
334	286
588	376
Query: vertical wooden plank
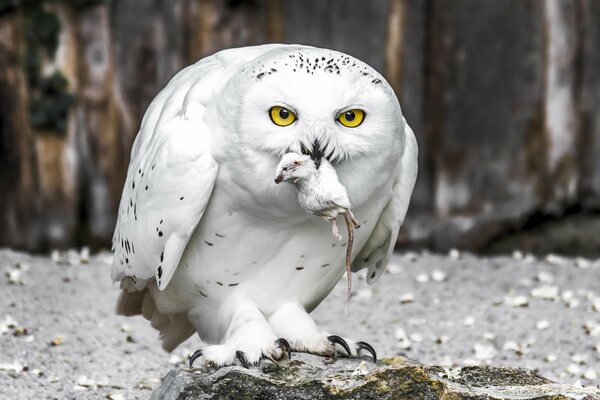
589	103
353	26
485	116
20	202
104	128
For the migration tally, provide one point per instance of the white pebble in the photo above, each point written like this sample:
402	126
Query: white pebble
551	358
544	277
469	321
484	351
545	292
394	269
582	263
516	301
454	254
517	255
489	336
438	276
407	298
364	294
580	359
422	278
554	259
542	324
590	374
574	369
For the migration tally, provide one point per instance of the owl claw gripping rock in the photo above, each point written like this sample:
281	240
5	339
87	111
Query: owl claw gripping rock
320	193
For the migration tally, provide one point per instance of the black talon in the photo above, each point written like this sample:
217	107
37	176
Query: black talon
193	357
366	346
241	356
281	342
335	339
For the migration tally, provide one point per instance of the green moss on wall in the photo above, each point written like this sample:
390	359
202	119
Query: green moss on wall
49	97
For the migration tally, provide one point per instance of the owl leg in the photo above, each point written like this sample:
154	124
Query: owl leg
292	322
248	339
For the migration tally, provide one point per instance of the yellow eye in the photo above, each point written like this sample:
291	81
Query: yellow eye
281	116
351	118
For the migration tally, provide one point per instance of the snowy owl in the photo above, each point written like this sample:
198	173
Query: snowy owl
206	242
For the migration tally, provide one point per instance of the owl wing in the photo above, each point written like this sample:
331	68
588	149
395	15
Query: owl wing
167	189
378	249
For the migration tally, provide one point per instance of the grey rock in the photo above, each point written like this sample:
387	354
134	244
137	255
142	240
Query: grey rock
311	377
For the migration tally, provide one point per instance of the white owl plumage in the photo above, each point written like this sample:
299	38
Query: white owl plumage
206	242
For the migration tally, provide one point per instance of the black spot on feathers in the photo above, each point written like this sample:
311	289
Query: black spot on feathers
299	268
159	272
373	275
208	243
160	233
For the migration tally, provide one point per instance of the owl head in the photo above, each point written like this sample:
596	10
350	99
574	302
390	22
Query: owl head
313	101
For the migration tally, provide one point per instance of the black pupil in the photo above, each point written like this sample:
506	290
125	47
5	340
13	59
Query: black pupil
284	114
350	116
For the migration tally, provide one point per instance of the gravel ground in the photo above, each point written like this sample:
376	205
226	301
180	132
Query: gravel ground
59	337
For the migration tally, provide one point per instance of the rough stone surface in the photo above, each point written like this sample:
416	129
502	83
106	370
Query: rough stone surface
310	377
453	310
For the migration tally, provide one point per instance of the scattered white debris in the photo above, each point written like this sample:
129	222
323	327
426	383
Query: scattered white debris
84	255
53	379
57	341
596	304
125	328
116	396
551	358
84	381
557	260
416	321
416	337
361	370
454	254
517	255
442	339
591	328
489	336
422	278
177	359
37	372
518	348
449	373
590	375
529	259
71	257
569	298
516	301
544	277
469	321
542	324
582	263
8	324
364	294
573	369
438	276
580	359
15	366
484	352
394	269
403	339
410	256
407	298
15	277
546	292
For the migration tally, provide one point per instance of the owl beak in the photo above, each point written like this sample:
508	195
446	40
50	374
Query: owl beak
317	153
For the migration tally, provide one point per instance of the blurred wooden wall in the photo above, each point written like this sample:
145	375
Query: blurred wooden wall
503	95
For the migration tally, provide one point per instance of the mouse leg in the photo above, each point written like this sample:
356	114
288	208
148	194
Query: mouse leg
334	229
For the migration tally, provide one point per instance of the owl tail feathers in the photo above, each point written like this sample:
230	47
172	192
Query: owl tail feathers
174	329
